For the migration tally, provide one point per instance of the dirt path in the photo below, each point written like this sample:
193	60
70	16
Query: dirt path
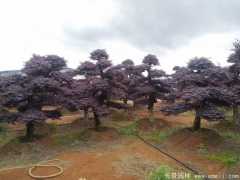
131	159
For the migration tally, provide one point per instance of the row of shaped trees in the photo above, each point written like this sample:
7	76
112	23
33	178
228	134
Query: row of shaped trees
200	86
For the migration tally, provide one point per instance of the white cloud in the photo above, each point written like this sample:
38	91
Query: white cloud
28	27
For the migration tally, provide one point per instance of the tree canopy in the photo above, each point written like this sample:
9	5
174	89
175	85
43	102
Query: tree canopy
201	87
40	85
234	85
146	90
101	86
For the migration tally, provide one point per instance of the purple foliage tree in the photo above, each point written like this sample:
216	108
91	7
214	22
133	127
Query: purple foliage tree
150	88
128	65
201	87
101	86
234	69
40	85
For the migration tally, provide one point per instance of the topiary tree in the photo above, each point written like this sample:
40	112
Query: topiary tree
40	85
201	87
234	69
100	88
127	65
150	88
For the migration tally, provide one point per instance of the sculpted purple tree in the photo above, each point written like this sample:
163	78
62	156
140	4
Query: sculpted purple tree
101	87
201	87
127	65
234	69
29	92
146	90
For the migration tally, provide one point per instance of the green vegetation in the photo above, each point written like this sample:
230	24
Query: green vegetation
228	157
75	143
201	149
119	115
229	134
2	127
159	136
163	173
129	130
53	126
9	140
229	115
189	113
65	139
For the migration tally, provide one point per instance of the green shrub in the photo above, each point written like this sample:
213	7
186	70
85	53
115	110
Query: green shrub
128	130
158	136
2	127
229	134
161	173
201	149
227	157
75	143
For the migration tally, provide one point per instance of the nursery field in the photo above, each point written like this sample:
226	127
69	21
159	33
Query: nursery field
117	153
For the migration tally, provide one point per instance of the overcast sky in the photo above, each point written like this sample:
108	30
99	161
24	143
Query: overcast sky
173	30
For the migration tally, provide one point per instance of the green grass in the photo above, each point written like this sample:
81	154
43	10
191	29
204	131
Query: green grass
9	140
70	138
163	173
228	157
231	135
201	149
229	116
2	127
129	130
189	113
54	126
119	115
75	143
159	136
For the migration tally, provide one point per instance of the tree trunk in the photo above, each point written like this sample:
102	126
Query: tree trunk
150	110
125	101
30	130
97	122
197	124
235	114
85	113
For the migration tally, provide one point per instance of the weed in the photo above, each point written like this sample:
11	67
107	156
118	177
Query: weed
53	126
222	109
227	157
75	143
154	130
161	135
8	139
163	173
189	113
128	130
229	134
232	160
2	127
229	115
119	115
67	137
201	149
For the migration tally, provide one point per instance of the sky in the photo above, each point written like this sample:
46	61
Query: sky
173	30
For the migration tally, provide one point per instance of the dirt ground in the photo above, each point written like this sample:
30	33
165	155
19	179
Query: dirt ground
111	155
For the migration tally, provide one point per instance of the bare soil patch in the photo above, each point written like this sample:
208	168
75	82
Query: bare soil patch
85	153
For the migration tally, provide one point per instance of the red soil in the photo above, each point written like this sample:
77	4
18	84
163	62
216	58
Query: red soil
102	156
